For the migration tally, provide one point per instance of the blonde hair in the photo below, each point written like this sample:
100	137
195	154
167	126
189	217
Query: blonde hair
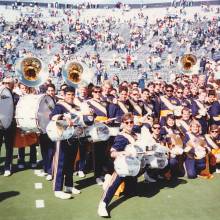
195	122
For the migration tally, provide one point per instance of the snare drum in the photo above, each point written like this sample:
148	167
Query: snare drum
33	111
6	107
58	132
127	166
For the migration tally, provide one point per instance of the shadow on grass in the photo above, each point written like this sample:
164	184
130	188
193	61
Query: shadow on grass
7	195
148	190
86	182
151	189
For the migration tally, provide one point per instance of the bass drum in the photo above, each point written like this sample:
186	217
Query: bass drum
6	107
32	112
127	166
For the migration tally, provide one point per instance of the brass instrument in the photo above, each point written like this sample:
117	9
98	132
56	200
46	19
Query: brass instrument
188	61
31	71
77	73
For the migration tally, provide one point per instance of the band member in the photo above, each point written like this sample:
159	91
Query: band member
175	145
184	122
148	103
137	106
121	106
196	150
100	109
66	150
117	150
214	112
213	141
199	110
167	104
81	99
9	133
47	146
24	90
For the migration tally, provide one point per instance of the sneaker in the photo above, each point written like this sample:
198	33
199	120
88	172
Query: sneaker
20	166
81	174
99	181
62	195
41	174
75	173
147	178
72	190
106	182
49	177
102	210
217	170
33	165
7	173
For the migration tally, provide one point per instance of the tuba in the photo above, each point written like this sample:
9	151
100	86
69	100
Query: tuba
188	61
77	73
31	71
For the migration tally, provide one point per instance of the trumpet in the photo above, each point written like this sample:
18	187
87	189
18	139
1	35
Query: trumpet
77	73
31	71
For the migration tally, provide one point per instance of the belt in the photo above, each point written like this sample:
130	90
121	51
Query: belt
101	118
164	113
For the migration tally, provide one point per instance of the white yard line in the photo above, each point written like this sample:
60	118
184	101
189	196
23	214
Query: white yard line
39	203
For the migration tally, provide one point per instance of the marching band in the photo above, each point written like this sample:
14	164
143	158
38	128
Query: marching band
172	129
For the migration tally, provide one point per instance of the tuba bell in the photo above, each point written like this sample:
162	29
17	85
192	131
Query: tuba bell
188	61
77	73
31	71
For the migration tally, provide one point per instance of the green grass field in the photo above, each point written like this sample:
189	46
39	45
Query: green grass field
182	199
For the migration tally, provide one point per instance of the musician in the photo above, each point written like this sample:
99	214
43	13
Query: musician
125	137
184	102
66	150
24	90
100	109
184	122
214	112
83	145
121	106
196	149
47	146
213	141
167	103
148	103
199	110
9	133
137	106
174	141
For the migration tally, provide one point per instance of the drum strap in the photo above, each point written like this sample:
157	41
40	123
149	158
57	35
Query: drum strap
68	107
148	109
136	107
200	105
122	107
130	138
98	106
167	102
183	124
211	142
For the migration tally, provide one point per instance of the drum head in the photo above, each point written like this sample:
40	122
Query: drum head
46	106
6	108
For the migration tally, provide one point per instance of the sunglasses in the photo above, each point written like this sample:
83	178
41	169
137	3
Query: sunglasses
97	91
169	90
158	84
129	122
214	131
179	92
158	128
